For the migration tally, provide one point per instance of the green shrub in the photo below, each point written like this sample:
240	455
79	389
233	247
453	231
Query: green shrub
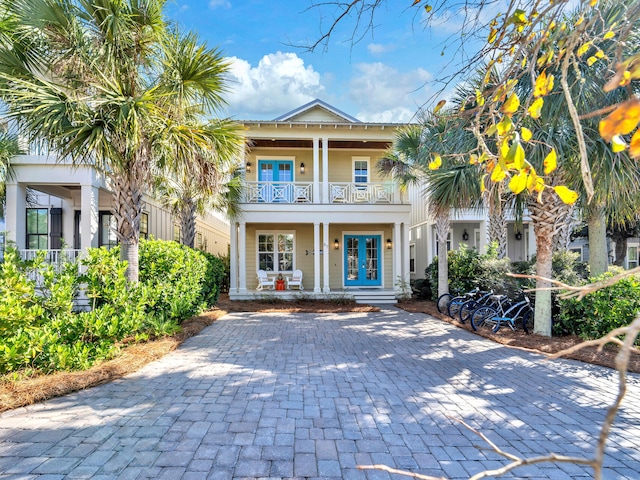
601	311
41	331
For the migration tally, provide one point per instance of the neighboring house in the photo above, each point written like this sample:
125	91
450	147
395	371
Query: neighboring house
53	205
315	202
467	226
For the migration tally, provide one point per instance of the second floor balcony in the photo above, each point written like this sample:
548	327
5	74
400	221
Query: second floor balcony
331	193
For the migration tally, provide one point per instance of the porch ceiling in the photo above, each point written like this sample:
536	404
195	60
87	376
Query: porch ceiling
333	144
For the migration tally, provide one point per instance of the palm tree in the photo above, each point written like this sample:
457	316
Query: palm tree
106	83
453	186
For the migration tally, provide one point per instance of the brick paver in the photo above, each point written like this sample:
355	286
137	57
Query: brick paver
315	395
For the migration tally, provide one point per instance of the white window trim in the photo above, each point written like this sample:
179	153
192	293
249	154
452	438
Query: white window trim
578	250
353	167
276	233
637	260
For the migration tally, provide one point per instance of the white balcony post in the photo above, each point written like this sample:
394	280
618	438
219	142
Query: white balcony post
242	257
316	170
16	214
325	170
316	257
325	257
398	273
406	264
233	258
89	217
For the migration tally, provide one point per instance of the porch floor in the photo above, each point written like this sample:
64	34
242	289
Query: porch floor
365	295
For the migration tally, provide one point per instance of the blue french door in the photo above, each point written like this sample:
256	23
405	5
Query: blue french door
362	260
279	175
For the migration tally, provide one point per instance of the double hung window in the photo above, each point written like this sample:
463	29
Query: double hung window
276	251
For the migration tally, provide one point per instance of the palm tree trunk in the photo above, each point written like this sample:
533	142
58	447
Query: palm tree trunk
598	251
497	220
127	210
188	222
621	250
442	231
565	227
543	216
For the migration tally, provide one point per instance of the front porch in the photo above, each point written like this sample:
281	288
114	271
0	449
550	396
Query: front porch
359	295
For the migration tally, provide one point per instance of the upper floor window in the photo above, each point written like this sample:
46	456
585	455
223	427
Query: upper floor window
37	228
412	259
360	170
107	232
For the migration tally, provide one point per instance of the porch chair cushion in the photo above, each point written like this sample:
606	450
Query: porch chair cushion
295	280
265	281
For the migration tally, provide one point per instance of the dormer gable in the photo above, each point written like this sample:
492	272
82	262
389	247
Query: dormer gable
317	111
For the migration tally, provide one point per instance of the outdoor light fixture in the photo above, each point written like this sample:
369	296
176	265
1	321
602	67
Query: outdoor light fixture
336	244
389	244
302	168
519	236
248	169
465	235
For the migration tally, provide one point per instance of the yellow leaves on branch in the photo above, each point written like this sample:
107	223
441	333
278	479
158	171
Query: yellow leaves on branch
535	109
436	163
567	195
622	121
544	85
511	105
550	162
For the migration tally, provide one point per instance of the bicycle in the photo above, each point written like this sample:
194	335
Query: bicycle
470	306
456	302
513	314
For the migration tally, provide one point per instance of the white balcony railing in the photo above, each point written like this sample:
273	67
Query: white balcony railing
361	193
53	257
279	192
343	192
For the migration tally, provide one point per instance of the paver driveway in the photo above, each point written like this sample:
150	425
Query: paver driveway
315	395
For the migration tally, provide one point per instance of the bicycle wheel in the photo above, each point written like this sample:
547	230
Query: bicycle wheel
454	306
443	302
467	309
525	321
481	315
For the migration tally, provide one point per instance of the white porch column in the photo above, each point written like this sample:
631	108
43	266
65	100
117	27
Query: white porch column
89	217
316	170
532	241
242	257
397	257
68	214
325	257
16	214
325	170
431	243
316	257
233	259
406	273
484	237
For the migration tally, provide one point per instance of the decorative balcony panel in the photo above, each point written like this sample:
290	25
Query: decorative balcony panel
279	192
361	193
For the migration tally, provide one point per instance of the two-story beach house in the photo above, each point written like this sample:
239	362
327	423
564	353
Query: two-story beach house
315	203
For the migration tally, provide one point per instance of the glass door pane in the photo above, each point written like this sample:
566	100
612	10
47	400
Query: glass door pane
353	262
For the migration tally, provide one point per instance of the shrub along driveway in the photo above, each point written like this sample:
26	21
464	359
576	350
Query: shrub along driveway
315	395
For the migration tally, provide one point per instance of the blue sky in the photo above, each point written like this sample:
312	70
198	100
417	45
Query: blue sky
385	77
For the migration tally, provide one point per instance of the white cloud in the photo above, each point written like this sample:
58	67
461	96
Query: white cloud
384	94
279	83
379	49
219	4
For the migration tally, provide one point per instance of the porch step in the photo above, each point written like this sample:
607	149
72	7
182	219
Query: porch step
374	296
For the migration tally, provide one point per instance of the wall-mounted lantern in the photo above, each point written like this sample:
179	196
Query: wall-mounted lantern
248	167
389	244
465	235
301	168
336	244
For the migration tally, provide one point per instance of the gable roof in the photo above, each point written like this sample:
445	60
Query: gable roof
317	111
